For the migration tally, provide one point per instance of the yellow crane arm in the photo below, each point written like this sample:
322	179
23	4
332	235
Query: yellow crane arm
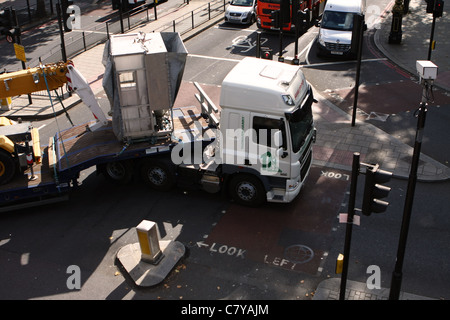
32	80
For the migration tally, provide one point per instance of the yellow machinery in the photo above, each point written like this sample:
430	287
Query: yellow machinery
19	148
32	80
19	142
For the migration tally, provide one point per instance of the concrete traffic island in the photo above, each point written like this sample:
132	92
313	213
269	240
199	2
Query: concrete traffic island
149	261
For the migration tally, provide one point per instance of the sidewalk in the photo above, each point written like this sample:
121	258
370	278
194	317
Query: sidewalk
337	140
416	32
416	28
89	62
329	290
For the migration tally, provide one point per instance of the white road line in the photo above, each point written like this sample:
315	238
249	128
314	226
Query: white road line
89	31
340	62
235	29
307	48
212	58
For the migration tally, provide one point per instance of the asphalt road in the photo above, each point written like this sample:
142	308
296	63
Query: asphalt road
233	253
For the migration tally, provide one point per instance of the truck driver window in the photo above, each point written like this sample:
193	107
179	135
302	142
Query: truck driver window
265	129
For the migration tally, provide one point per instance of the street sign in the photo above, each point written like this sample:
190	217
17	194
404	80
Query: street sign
20	52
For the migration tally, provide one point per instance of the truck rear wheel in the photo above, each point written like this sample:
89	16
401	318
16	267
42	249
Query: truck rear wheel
119	171
158	175
7	167
247	190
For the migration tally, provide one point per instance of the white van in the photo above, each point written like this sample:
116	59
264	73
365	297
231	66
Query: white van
335	34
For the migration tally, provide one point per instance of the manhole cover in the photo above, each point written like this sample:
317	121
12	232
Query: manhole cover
298	253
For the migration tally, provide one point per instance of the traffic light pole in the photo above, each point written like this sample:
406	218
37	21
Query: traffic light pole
431	37
358	69
397	274
258	44
18	40
61	31
280	56
349	228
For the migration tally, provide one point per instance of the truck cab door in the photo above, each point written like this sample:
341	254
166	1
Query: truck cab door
268	148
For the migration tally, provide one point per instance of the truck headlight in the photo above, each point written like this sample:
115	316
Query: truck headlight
293	185
288	100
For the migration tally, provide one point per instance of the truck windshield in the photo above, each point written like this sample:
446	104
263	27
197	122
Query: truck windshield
301	122
335	20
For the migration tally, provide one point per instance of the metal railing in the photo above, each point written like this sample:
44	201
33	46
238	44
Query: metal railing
78	41
196	17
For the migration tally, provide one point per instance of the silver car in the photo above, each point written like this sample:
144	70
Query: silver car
241	12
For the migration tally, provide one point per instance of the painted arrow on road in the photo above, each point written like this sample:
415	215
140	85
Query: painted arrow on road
223	249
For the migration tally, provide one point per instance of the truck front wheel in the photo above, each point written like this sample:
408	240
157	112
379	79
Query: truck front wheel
247	190
7	167
158	175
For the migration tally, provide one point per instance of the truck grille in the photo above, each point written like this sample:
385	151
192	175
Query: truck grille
235	14
337	46
305	167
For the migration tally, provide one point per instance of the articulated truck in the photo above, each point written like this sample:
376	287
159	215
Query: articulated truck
255	146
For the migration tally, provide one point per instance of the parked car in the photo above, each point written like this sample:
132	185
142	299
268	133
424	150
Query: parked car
241	12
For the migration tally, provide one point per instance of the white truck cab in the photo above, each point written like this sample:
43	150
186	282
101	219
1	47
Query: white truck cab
335	34
266	130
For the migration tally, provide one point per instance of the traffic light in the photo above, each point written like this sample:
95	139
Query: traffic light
275	16
438	9
65	16
295	10
285	9
374	191
266	53
8	26
5	21
430	6
303	17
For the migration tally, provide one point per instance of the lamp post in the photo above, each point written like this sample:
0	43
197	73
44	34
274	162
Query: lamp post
427	75
395	36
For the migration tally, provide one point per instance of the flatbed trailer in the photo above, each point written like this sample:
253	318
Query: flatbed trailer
75	149
255	146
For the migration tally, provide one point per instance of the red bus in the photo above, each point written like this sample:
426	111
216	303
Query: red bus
265	7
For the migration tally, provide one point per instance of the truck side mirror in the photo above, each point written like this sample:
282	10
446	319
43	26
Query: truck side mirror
278	142
278	139
317	23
